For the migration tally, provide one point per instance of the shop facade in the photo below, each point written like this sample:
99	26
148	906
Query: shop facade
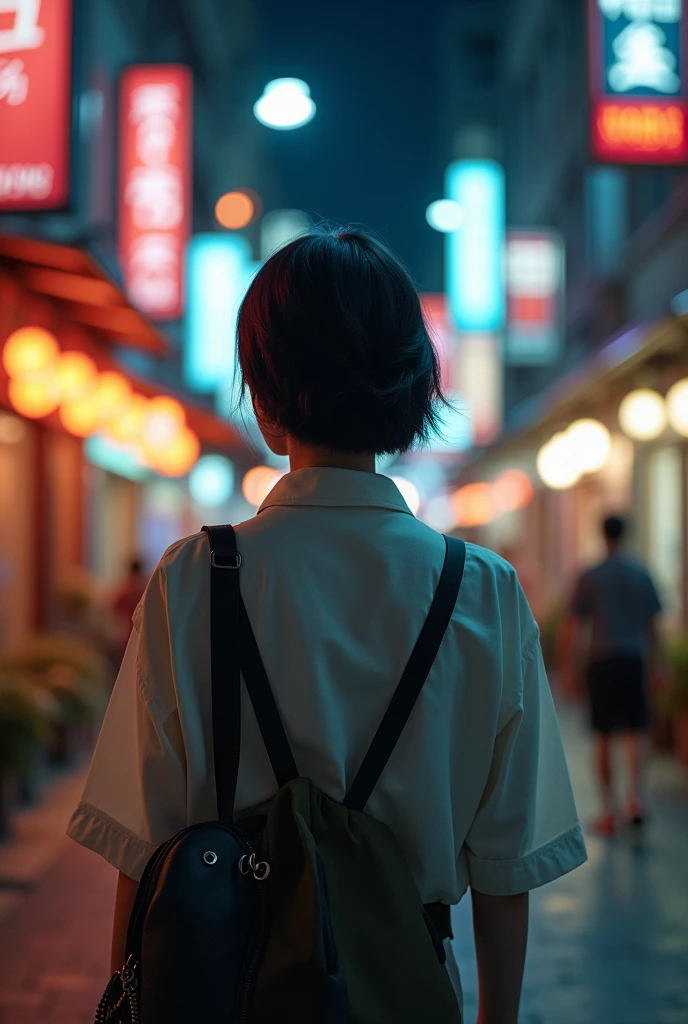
75	505
643	476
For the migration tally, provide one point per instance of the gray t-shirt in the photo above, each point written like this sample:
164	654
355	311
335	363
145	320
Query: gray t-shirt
619	600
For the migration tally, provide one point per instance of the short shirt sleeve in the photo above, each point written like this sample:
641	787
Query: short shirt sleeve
526	831
135	793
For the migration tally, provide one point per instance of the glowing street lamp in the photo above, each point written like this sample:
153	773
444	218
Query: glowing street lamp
445	215
286	103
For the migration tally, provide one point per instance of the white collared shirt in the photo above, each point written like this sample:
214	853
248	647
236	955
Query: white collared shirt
337	577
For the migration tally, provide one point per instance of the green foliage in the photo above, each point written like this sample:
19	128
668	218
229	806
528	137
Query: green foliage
45	651
67	669
25	711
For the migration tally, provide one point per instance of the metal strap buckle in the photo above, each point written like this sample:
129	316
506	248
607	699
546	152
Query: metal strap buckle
236	561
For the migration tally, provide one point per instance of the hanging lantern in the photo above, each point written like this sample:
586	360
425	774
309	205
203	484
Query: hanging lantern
180	455
677	406
163	421
557	464
590	444
642	415
81	418
113	395
76	375
33	399
30	354
127	427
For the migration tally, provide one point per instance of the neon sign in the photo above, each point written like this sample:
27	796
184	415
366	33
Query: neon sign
639	97
534	287
155	185
474	251
35	104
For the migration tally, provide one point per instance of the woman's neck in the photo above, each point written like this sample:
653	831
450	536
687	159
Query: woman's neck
304	456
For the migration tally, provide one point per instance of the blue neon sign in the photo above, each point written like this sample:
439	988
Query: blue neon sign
219	270
474	253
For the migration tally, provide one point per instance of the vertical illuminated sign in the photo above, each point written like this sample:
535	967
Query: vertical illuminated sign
638	87
534	287
219	269
474	252
155	147
35	104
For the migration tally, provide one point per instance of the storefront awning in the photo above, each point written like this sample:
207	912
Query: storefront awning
81	290
590	385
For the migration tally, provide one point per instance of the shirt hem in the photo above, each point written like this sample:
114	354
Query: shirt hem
97	831
562	854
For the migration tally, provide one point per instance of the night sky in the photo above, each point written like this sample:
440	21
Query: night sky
371	156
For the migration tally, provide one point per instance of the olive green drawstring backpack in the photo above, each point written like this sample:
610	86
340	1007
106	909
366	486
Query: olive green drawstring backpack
308	913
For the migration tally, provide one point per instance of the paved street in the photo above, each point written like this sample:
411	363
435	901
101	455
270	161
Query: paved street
608	943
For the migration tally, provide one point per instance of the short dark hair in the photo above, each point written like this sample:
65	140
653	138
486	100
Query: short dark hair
614	527
333	346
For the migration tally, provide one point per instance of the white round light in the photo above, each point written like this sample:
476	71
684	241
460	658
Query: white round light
445	215
590	443
286	103
557	465
211	480
409	492
642	415
677	407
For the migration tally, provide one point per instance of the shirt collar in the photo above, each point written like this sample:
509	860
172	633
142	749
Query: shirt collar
326	486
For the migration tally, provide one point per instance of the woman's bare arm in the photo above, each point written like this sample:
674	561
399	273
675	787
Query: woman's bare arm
500	924
124	901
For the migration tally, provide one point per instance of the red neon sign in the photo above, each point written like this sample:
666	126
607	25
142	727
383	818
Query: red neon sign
155	185
638	82
35	103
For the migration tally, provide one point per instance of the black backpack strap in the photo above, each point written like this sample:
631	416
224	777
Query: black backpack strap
225	664
413	679
264	705
234	652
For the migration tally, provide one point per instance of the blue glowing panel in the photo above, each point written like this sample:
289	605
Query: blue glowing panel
219	269
474	254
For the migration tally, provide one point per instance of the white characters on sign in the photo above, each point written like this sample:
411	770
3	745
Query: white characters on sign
154	271
25	33
156	197
643	60
14	82
668	11
154	192
26	181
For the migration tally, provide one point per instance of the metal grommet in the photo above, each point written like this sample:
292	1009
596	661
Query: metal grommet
262	870
210	857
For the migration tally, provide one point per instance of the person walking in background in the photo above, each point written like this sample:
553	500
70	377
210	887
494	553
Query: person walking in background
613	632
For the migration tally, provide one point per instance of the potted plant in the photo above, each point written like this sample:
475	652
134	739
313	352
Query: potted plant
676	702
22	724
71	673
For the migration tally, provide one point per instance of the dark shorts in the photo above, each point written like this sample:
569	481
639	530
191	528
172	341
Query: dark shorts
618	699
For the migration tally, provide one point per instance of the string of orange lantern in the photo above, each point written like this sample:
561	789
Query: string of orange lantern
43	380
